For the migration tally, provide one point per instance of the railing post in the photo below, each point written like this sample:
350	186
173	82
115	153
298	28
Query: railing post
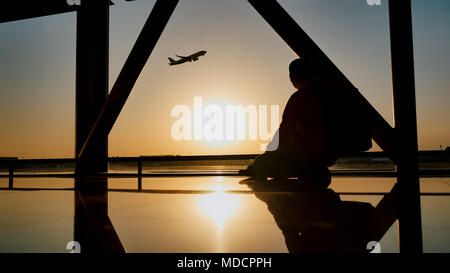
11	174
139	173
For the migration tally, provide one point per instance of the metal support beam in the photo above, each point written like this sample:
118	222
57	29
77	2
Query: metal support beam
92	227
92	57
303	45
17	10
130	72
410	226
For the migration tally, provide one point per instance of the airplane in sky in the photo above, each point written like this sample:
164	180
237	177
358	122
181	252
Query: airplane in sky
190	58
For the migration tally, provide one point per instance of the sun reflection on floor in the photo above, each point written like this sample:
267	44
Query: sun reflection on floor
218	206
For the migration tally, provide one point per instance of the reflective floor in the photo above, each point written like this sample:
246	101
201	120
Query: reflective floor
208	214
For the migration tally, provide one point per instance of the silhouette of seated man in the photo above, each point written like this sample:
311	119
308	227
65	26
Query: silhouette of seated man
310	137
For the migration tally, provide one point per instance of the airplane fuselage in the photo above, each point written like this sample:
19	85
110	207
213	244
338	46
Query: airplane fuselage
194	57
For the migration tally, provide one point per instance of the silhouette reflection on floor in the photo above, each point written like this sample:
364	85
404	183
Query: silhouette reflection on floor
316	220
93	229
311	219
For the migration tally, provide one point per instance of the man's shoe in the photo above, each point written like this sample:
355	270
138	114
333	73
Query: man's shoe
247	172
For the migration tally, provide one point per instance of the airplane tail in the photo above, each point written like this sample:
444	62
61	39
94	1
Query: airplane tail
171	60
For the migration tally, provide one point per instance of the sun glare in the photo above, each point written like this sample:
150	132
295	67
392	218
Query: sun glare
221	103
218	206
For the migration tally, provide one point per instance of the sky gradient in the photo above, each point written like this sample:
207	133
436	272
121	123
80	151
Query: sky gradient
246	64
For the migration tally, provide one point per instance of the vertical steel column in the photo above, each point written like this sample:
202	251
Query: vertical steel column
92	227
410	227
91	81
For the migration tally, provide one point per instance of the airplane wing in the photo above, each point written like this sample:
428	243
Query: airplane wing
175	62
183	57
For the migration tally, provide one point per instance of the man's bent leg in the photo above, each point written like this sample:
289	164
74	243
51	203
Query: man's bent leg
282	163
269	164
289	162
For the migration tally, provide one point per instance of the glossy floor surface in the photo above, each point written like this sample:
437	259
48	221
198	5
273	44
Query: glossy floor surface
217	214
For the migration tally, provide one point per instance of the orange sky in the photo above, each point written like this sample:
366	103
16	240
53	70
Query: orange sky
246	64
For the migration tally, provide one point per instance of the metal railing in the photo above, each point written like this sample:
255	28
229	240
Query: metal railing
14	165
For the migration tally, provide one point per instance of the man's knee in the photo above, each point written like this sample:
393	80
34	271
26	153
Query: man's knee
283	164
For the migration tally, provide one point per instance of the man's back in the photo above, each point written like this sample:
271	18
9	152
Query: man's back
323	123
304	123
318	126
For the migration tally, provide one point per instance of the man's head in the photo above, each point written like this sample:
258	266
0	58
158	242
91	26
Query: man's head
301	72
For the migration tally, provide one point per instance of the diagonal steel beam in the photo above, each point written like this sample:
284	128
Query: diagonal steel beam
303	45
131	70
